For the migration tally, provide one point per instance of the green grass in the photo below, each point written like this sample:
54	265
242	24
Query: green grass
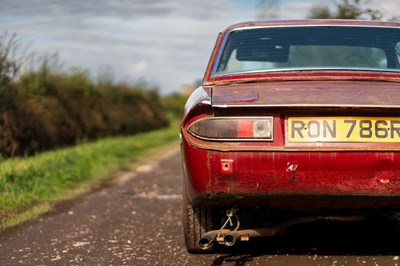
31	186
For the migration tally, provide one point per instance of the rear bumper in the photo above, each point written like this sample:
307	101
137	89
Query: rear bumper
309	179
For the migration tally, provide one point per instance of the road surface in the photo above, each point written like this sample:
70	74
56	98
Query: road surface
137	221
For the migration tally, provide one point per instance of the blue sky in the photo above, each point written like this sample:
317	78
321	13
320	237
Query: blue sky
165	42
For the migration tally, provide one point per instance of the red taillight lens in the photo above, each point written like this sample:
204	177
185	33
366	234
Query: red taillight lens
245	129
233	129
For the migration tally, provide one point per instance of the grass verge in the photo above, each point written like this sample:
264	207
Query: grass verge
30	186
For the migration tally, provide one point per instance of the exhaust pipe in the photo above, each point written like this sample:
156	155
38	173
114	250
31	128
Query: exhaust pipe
230	238
207	240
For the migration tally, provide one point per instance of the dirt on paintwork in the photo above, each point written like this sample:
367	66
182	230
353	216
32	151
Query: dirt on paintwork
136	220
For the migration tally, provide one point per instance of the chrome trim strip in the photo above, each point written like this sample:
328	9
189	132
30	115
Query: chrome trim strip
274	70
219	55
305	105
236	118
370	24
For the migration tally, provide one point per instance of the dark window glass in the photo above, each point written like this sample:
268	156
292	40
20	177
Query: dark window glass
264	49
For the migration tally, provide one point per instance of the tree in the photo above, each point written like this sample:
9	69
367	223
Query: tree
320	12
346	9
267	9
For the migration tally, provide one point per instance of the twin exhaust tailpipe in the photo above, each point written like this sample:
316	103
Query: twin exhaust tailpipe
208	239
229	238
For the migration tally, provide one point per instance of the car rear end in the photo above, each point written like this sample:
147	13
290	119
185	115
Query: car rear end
319	152
314	123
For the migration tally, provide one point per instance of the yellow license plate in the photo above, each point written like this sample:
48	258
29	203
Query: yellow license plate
343	129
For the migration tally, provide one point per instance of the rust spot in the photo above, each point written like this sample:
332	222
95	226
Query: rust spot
291	169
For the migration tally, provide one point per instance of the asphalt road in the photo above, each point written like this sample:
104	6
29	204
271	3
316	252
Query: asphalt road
137	221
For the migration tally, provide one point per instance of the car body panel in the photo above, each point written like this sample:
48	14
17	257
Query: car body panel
308	93
285	172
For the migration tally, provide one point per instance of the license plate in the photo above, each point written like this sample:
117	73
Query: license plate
343	129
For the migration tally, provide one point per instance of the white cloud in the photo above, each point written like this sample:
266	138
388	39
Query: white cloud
167	42
140	67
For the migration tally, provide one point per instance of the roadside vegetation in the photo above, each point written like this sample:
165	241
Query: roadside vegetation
47	107
31	186
63	133
174	104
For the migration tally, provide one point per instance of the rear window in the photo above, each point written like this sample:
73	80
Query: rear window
313	47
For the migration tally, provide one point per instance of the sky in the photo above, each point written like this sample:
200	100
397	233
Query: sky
166	43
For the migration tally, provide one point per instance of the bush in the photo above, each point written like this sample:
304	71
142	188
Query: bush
48	108
174	105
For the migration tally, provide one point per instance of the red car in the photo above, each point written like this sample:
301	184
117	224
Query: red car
292	116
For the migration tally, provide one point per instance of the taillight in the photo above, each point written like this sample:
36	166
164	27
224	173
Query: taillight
233	128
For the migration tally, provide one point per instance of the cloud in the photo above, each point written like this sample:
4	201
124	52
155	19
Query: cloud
158	40
167	42
140	67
